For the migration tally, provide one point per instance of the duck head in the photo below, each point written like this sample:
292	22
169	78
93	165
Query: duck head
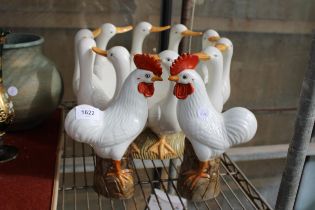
210	38
107	31
224	45
179	31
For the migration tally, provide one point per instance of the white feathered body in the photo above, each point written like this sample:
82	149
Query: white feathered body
118	126
209	131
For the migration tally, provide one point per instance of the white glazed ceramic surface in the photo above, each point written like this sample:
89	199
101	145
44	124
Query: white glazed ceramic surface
82	33
227	58
111	131
91	91
210	131
209	38
162	115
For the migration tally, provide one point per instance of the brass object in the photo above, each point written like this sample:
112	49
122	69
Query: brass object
7	152
204	188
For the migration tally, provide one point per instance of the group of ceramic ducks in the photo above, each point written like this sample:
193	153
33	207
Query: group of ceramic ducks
117	96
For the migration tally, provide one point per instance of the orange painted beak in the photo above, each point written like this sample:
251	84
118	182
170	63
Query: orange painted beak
156	78
191	33
202	56
213	38
174	78
159	29
97	32
221	47
124	29
99	51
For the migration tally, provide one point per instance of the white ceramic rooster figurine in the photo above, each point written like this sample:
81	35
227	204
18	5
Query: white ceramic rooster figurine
209	131
111	131
103	68
82	33
162	116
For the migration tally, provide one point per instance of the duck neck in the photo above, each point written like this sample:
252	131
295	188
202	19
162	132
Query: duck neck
227	57
215	71
122	69
174	43
137	42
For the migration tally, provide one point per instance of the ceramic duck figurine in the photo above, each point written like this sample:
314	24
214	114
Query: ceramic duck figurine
209	131
111	131
140	32
82	33
91	90
210	38
226	47
162	116
103	68
212	60
179	31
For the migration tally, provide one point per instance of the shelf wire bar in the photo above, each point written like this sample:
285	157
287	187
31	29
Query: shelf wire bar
242	195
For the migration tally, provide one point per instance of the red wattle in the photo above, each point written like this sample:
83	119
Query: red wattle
182	91
147	89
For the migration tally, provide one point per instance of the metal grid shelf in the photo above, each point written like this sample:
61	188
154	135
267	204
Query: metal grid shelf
76	183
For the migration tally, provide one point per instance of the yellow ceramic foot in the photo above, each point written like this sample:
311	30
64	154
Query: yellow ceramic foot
162	148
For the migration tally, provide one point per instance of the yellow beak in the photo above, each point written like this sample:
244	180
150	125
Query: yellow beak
124	29
202	56
221	47
155	56
156	78
97	32
99	51
191	33
174	78
213	38
159	29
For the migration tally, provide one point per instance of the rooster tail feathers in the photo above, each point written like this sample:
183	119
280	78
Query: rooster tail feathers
241	125
83	130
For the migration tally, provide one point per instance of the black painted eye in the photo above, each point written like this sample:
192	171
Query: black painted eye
111	32
176	32
168	59
147	76
143	30
184	76
111	54
215	55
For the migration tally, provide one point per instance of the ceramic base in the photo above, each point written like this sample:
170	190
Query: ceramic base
205	188
148	138
109	185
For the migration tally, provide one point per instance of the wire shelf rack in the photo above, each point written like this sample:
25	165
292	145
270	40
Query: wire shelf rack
76	183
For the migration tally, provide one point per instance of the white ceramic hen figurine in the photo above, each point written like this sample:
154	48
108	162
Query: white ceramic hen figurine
209	131
90	90
111	131
82	33
211	60
210	38
162	116
103	68
140	32
226	47
177	32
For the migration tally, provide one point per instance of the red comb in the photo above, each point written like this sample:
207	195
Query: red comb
149	63
185	61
